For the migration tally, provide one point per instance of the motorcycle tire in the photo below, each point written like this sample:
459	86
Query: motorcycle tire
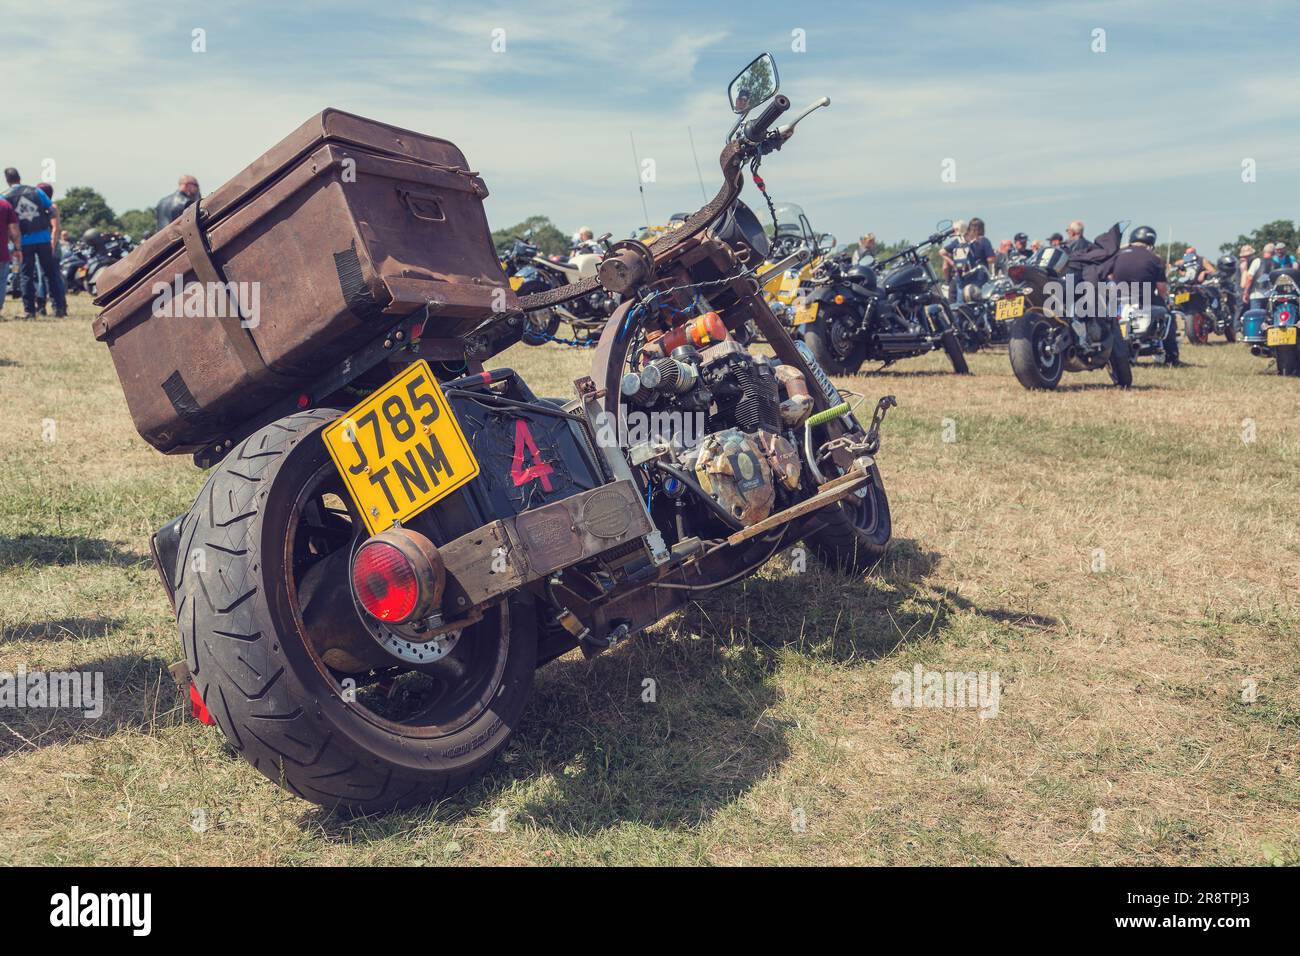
1035	370
817	336
280	707
1197	326
856	530
1120	364
955	354
539	333
1288	359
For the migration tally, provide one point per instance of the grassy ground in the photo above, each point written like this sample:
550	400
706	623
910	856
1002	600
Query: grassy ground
1126	564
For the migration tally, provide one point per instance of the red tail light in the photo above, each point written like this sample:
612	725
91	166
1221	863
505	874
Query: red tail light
1016	272
384	582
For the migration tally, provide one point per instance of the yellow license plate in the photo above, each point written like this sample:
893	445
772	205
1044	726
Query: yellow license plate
1123	330
1281	336
1009	308
401	449
805	313
1181	297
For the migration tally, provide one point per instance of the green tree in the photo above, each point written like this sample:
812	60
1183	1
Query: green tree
540	231
136	223
1278	229
81	208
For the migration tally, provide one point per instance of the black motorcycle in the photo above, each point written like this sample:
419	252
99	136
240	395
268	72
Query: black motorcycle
1203	308
73	267
1051	336
101	251
851	314
986	321
530	272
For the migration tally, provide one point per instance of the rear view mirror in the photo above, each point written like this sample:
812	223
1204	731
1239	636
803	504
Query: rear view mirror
754	85
943	225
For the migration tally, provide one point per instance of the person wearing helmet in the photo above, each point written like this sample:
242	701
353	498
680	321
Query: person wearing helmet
1139	266
1140	273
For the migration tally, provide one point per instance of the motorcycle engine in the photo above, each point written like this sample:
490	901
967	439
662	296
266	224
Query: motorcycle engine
742	409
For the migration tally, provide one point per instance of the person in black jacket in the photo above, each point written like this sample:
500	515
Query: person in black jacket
170	207
1138	266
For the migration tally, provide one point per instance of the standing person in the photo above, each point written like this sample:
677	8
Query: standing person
1074	240
1004	255
1281	258
9	233
973	259
866	247
170	207
1255	282
38	219
45	283
947	252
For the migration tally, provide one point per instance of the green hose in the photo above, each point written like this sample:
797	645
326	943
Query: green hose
821	418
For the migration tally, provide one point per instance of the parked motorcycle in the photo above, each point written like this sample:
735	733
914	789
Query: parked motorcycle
852	315
1203	308
796	252
1150	330
101	251
987	321
1283	318
73	267
530	272
1047	342
379	584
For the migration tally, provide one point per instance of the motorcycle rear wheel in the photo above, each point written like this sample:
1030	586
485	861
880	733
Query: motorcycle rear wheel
1036	367
262	521
1197	325
1288	359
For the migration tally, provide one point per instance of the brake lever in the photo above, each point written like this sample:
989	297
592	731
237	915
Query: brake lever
786	131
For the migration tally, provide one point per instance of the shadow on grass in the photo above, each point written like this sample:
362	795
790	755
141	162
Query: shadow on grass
61	629
9	363
1105	386
681	723
137	694
29	549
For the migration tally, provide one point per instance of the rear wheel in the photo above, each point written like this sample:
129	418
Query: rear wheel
269	523
1034	358
540	327
1197	325
1288	363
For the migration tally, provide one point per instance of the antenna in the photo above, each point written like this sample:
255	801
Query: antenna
703	191
640	186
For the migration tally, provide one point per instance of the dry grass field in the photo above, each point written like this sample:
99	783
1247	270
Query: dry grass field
1127	564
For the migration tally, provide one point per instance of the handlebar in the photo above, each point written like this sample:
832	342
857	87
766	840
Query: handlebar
756	129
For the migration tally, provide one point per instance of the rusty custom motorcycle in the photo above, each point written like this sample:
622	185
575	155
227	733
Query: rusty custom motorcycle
391	542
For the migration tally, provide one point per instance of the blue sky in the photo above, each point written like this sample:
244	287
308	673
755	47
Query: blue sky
1041	128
